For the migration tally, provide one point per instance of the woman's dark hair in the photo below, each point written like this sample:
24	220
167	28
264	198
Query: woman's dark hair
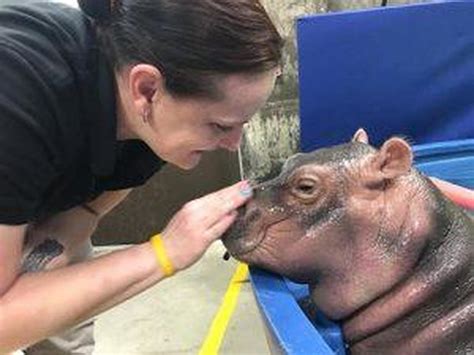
190	41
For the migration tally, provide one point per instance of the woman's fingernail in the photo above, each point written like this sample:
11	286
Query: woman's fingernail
246	190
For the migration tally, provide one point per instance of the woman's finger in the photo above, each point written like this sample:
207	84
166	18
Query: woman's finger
218	204
230	197
460	195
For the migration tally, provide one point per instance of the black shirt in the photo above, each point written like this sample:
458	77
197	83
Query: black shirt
58	144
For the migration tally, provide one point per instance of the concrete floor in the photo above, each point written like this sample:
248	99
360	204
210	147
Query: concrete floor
174	316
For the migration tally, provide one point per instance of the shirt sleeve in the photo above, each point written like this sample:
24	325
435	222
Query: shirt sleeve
27	155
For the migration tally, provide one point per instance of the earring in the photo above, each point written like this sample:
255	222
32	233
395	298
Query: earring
146	114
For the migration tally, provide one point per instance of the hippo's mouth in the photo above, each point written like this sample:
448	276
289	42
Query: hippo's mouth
247	234
261	237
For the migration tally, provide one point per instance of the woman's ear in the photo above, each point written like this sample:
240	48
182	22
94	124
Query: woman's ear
394	159
146	83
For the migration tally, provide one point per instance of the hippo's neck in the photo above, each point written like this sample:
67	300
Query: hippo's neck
439	283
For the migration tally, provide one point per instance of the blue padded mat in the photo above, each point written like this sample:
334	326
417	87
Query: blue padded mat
452	161
406	70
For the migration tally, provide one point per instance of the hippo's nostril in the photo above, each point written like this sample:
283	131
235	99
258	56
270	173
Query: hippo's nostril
256	185
253	216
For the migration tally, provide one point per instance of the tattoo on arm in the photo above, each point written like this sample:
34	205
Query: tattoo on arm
41	255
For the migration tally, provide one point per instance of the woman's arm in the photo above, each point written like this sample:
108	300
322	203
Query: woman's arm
107	201
460	195
36	305
65	237
41	304
11	242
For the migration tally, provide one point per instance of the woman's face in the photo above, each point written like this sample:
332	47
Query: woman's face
181	130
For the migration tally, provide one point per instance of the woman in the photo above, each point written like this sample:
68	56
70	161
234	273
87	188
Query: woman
92	104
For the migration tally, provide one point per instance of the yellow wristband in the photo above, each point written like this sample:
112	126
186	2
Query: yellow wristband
161	256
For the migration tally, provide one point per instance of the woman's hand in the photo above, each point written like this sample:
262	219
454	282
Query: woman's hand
200	222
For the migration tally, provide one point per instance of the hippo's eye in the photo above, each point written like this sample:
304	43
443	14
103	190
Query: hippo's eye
305	187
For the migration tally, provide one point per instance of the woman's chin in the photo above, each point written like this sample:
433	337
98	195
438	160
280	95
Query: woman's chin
191	161
188	162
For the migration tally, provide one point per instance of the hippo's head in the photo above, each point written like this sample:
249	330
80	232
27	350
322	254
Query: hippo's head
333	218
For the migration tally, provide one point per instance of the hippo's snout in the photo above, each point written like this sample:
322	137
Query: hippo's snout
243	235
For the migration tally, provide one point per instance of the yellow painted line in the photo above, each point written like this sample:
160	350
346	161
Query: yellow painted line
219	325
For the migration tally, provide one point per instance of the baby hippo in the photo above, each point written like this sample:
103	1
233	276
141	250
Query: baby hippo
382	250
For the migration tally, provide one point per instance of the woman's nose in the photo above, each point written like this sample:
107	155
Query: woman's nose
231	141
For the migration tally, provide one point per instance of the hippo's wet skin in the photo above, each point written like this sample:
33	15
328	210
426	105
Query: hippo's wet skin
382	250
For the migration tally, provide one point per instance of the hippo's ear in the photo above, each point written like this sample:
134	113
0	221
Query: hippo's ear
395	158
361	136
